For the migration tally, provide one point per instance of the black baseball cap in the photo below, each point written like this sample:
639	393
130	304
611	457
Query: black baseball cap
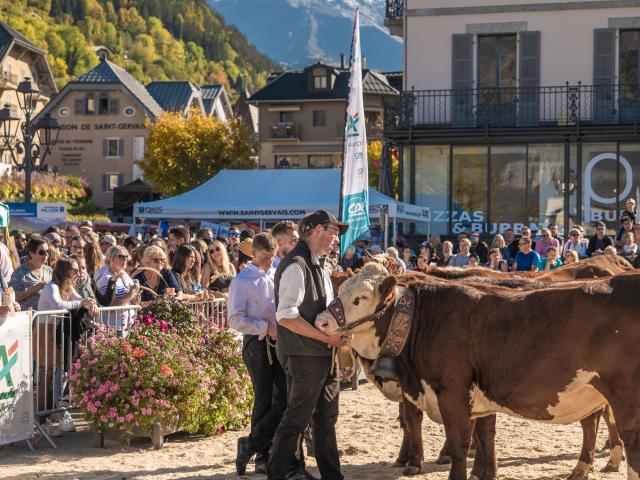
321	217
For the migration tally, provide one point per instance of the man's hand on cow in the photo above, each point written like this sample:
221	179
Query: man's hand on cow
336	340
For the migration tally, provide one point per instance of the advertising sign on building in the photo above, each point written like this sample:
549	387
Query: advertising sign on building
16	398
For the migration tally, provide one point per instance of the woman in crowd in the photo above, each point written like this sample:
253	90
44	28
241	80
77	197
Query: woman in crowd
200	247
113	283
155	276
30	278
60	292
245	253
550	261
218	270
135	261
546	241
93	255
496	262
627	227
570	256
447	254
474	261
576	243
500	243
182	267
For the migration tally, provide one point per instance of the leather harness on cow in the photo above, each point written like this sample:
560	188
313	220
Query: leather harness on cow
398	331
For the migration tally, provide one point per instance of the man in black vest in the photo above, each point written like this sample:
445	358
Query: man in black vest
303	290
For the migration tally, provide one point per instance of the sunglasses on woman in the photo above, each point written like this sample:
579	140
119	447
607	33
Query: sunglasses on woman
43	253
124	258
217	249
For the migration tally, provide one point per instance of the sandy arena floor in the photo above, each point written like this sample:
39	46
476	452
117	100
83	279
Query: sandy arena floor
368	436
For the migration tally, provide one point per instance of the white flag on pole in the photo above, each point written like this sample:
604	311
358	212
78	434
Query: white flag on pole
355	172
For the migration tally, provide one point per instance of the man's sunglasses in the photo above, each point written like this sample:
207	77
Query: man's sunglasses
232	234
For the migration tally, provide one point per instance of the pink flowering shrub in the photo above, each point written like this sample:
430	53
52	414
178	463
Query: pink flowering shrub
167	368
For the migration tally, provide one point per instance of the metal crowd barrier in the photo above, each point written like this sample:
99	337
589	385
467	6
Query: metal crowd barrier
211	312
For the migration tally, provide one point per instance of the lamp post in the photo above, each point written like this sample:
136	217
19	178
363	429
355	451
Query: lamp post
46	130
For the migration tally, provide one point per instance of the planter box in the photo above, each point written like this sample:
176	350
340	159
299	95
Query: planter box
156	433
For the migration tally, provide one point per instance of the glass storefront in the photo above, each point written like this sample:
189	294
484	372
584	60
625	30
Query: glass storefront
489	188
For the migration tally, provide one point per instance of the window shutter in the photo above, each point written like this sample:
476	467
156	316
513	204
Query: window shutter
604	75
114	106
105	182
79	107
529	76
105	148
462	79
120	148
120	179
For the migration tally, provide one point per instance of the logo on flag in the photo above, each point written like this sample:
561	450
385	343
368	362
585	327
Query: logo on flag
353	125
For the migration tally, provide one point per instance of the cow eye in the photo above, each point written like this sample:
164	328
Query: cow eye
356	301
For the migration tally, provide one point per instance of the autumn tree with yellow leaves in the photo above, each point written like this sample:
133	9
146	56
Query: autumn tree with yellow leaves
183	153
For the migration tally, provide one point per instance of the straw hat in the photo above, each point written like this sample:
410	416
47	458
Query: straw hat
246	247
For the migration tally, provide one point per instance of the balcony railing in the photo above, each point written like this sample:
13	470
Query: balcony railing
394	9
284	130
567	105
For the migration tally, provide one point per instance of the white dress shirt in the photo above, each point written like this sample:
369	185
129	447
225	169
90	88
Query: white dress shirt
252	301
291	290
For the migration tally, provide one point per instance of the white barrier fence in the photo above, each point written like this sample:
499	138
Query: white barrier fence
53	343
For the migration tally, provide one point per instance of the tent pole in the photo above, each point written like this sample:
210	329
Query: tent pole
386	230
395	231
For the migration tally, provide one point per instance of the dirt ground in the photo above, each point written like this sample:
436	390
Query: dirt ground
369	438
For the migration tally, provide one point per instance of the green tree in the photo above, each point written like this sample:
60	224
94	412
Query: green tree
183	153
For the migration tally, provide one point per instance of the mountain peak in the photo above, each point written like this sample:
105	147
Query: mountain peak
313	30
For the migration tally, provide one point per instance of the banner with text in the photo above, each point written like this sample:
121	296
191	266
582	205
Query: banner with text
355	172
16	398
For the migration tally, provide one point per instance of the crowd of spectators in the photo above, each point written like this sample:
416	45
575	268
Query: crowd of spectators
543	250
79	270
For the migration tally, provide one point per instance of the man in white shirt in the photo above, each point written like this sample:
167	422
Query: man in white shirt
303	290
286	234
252	311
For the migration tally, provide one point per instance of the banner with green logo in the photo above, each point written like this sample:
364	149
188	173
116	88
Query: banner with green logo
16	396
355	172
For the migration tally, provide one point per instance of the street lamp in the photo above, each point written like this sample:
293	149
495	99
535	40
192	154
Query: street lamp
47	129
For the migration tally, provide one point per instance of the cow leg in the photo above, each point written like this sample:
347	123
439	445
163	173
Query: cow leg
616	454
413	418
403	456
628	421
455	408
445	459
587	454
485	465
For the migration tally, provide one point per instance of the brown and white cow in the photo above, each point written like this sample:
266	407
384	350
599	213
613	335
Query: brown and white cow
552	355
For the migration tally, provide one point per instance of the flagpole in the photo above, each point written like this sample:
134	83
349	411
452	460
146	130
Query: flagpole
346	116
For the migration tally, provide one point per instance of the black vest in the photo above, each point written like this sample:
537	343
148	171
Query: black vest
315	301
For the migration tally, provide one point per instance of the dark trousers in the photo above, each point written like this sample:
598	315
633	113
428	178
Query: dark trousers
312	397
270	393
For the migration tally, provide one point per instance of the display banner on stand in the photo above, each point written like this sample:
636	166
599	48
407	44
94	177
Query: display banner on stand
16	397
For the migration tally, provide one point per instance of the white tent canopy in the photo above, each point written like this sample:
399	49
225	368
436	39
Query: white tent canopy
269	195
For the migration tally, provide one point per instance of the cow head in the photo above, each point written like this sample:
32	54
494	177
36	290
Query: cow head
360	296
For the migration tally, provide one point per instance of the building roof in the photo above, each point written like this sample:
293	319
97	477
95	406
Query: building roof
110	73
9	37
394	79
174	96
292	85
209	95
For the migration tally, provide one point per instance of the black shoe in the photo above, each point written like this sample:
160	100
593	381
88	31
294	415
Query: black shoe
243	456
303	474
261	462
